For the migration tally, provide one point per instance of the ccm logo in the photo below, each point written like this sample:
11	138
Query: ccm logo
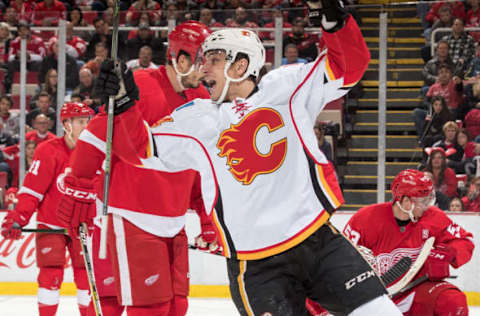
80	194
358	279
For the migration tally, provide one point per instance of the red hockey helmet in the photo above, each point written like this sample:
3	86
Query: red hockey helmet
411	183
74	109
187	37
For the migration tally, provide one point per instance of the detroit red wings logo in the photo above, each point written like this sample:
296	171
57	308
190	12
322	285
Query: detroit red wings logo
239	145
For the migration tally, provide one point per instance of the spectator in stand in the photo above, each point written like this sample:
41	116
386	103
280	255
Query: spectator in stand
11	155
75	16
296	9
145	37
144	60
462	45
444	178
242	19
473	70
36	51
9	120
101	53
446	20
51	62
472	199
276	12
323	144
457	8
433	120
5	138
430	70
267	11
40	132
101	35
447	87
24	10
206	17
449	139
215	7
306	42
472	121
470	149
151	7
473	18
49	12
85	89
5	39
43	107
49	85
75	45
456	205
290	54
10	17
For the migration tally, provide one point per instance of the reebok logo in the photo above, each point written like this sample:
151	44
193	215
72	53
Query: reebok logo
45	250
152	279
359	279
109	280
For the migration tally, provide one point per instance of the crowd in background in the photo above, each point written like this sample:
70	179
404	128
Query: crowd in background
448	119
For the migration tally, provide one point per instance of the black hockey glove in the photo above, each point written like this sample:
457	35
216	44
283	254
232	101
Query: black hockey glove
329	14
122	86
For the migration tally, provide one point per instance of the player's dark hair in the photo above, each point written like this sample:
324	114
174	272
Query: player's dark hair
245	56
180	53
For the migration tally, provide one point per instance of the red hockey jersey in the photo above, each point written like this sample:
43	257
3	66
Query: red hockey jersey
43	182
375	227
155	201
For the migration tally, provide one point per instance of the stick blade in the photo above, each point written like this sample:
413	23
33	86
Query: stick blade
396	271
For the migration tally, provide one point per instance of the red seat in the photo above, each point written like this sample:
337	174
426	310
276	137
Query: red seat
32	77
89	16
3	180
16	101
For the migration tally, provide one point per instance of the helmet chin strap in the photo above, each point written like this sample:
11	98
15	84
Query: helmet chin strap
180	75
227	82
409	212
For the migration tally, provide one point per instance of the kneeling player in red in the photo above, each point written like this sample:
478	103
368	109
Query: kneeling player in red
401	228
41	191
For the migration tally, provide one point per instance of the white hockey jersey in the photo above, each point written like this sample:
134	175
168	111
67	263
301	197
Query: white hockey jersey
265	179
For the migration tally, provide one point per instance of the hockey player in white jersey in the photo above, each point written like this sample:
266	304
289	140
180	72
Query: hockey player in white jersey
268	187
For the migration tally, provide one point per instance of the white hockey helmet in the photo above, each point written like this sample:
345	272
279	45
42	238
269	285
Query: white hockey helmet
234	41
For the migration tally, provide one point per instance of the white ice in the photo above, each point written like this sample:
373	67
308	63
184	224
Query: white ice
27	306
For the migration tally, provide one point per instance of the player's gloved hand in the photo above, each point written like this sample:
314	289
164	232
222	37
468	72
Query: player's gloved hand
77	204
438	262
12	225
329	14
119	82
207	240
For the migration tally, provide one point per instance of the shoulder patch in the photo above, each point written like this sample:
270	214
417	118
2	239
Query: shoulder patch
186	105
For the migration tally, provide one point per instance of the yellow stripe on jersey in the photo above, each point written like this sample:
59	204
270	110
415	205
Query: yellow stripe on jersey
330	73
241	288
288	244
325	185
221	232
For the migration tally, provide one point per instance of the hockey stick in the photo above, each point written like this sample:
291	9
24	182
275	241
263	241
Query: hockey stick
102	253
396	271
416	266
44	230
193	247
83	231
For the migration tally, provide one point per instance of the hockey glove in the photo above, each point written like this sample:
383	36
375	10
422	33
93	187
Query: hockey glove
77	204
437	266
12	225
119	83
207	240
329	14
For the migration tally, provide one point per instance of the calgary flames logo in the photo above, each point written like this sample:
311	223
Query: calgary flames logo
238	144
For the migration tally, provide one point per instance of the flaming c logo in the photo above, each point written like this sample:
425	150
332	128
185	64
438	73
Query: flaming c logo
238	144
